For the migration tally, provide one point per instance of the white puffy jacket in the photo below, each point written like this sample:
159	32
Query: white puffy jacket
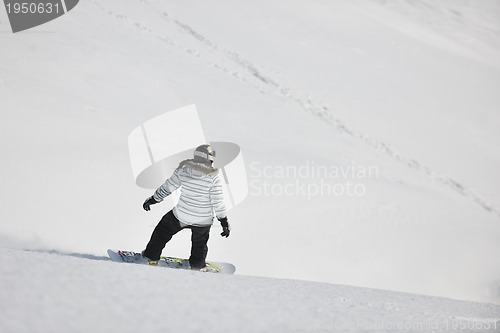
201	193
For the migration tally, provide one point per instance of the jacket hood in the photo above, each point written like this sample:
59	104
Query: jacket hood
198	169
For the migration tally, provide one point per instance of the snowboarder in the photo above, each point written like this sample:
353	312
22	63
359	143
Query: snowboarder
201	197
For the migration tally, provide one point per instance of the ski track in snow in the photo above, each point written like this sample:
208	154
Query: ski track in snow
70	254
251	74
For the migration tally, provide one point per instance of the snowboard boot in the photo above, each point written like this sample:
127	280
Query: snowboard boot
208	269
150	262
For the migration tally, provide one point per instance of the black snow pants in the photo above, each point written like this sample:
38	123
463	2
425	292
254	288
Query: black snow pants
168	226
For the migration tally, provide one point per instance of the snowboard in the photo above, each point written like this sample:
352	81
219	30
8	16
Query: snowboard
170	262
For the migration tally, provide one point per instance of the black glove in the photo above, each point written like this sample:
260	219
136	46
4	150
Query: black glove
226	228
149	201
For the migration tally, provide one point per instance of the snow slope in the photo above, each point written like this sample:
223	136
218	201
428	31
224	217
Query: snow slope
52	292
408	87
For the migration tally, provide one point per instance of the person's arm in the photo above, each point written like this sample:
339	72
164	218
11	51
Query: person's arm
217	198
170	185
217	201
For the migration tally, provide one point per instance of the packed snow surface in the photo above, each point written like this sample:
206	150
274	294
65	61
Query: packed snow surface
398	100
85	293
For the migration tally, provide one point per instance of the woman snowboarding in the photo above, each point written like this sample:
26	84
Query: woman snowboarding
201	197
